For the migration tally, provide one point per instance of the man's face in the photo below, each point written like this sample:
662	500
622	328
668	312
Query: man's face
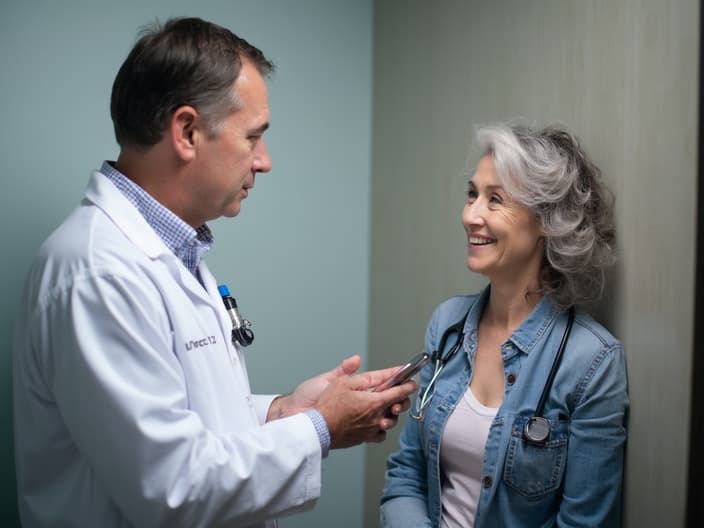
226	164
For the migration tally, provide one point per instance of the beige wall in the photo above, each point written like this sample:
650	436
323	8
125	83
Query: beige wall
623	74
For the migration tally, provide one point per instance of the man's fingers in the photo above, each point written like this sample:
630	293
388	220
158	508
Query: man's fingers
387	422
368	380
351	364
345	368
399	393
372	378
398	408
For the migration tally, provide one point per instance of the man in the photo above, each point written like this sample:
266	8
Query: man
120	419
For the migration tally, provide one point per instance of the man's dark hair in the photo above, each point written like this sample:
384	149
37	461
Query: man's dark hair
186	61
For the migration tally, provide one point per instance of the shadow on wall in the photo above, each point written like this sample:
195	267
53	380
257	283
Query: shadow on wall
606	309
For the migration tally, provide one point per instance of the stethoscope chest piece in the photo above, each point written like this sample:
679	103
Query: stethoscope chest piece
537	430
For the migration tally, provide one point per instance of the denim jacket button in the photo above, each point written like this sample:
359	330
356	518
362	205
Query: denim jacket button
486	481
511	378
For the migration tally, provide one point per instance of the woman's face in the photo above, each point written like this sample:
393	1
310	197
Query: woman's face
504	240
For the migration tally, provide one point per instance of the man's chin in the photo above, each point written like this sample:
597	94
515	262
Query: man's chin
233	210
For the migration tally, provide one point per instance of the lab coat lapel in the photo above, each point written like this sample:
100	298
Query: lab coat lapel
129	220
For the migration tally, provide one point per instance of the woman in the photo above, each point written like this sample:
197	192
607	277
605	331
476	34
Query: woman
482	450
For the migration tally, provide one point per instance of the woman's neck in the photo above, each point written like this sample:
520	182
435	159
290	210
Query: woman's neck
508	306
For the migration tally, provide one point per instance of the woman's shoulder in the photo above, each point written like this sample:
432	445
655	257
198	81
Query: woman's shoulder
594	357
593	351
588	328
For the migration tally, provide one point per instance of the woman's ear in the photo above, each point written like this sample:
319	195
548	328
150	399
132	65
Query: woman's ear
184	132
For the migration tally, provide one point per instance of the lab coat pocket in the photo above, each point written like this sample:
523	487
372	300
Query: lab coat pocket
536	469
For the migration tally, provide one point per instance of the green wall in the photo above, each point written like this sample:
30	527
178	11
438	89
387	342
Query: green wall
297	257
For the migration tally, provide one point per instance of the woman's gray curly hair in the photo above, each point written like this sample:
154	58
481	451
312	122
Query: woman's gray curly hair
547	170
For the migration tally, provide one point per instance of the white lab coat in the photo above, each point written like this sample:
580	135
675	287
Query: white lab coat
132	406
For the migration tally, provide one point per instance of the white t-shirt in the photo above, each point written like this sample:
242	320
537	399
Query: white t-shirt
461	459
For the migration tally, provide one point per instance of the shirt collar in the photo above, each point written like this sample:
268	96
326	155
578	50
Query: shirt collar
188	244
534	326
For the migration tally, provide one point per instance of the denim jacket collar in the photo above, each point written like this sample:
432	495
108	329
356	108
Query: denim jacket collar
525	337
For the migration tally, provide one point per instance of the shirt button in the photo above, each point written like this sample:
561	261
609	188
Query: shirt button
486	481
511	378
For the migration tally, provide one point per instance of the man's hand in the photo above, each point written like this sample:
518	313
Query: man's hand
354	414
307	393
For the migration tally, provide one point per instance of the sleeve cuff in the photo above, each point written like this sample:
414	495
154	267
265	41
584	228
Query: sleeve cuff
321	428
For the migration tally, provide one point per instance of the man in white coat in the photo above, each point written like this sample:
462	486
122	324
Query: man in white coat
132	402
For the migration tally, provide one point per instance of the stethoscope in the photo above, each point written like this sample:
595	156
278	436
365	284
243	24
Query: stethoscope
242	333
537	428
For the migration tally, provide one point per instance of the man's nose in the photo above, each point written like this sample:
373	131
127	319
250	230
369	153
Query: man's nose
262	161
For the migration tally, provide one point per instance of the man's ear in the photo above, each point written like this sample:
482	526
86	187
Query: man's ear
185	132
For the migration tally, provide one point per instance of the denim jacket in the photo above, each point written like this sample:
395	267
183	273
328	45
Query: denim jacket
574	479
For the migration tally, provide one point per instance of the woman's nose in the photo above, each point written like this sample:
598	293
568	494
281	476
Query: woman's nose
473	214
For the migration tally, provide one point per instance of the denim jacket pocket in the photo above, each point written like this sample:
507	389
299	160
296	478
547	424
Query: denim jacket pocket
534	470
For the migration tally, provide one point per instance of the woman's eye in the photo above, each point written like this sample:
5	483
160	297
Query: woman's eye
496	199
471	194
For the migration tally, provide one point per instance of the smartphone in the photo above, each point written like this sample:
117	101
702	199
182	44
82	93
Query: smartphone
406	372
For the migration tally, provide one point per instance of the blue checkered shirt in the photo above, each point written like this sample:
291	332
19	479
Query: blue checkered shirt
188	244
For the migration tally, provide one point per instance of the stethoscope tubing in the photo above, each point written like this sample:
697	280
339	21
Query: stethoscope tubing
537	429
555	364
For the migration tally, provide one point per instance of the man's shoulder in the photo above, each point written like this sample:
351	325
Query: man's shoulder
83	234
86	244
